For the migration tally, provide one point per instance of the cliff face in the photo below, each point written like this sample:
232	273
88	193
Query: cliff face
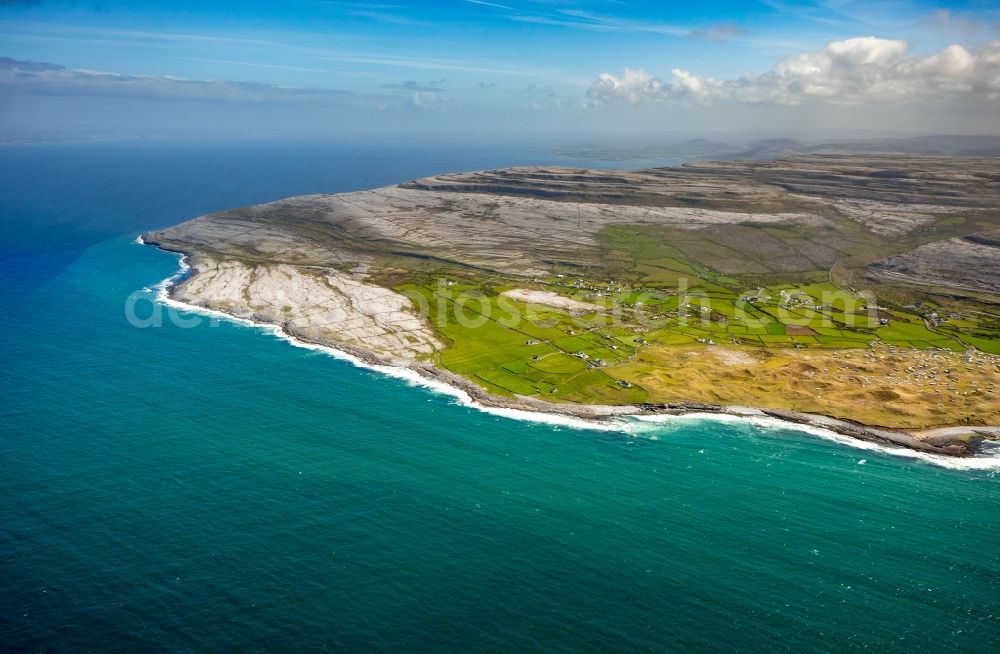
321	306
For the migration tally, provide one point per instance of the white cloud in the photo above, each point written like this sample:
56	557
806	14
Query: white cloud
37	78
27	77
44	78
854	71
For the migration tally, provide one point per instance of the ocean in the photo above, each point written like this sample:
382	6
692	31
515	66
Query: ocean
211	487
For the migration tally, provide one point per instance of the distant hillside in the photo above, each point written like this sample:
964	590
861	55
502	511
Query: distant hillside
953	145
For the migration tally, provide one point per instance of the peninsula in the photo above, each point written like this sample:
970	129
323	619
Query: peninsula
857	292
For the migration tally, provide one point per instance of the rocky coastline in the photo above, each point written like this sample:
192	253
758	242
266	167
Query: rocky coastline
358	271
952	441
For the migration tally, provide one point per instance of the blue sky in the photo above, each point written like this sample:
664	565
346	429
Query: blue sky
476	63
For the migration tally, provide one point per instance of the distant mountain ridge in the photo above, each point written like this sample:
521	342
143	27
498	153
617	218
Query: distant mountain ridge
949	145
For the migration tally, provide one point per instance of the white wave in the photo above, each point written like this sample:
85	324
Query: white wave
632	425
416	379
768	422
163	291
139	240
462	397
397	372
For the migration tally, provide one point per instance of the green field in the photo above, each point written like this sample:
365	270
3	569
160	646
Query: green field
511	348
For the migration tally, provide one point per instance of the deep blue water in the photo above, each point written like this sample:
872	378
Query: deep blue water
215	489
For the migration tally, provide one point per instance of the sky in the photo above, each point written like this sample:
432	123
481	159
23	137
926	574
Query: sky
595	70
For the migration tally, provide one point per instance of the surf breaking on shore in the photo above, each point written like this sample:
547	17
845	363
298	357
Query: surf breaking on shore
647	425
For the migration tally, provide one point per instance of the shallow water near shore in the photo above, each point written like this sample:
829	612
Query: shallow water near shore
212	487
648	425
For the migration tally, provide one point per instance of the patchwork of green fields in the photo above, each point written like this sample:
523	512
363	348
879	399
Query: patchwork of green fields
538	352
512	348
651	288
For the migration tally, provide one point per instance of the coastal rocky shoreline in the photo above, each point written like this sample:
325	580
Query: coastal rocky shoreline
951	441
359	271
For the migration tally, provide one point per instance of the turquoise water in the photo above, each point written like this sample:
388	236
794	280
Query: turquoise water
214	488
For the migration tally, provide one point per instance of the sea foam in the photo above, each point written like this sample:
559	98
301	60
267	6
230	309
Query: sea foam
639	426
769	423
